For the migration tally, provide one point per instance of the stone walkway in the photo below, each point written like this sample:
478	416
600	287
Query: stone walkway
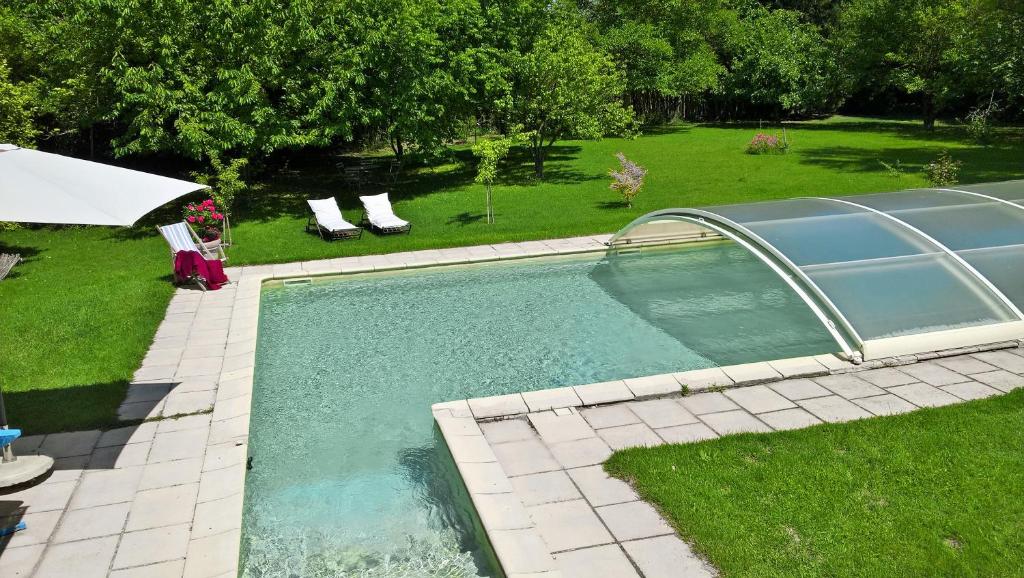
164	498
532	461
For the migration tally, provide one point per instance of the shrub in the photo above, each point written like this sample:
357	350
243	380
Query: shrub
943	171
895	169
979	122
629	180
225	180
205	217
767	144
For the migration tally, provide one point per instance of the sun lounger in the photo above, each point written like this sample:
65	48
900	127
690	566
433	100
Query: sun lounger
380	216
328	221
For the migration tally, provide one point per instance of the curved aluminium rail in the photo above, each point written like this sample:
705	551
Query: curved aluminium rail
757	247
935	242
983	196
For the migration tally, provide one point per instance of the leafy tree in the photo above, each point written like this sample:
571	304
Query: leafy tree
914	46
564	87
783	63
16	110
418	70
666	48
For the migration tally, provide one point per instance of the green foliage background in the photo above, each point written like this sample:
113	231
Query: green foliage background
206	83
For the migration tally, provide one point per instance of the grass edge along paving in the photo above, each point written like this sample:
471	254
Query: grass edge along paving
77	316
936	492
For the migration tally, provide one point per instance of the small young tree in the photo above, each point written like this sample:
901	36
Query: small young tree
628	180
490	152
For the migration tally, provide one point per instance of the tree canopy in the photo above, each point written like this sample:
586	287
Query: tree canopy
211	83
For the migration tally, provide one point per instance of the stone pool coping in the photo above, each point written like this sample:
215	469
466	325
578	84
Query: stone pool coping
165	497
531	461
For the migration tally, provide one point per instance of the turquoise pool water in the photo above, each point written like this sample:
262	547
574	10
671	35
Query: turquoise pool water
349	477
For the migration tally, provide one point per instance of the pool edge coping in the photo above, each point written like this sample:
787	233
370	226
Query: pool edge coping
450	417
214	534
249	281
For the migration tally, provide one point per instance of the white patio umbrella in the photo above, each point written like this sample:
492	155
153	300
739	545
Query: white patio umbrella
38	187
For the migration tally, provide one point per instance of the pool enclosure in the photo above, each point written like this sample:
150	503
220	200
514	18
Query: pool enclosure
886	274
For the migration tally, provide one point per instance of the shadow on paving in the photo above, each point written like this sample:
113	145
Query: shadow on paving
83	407
11	512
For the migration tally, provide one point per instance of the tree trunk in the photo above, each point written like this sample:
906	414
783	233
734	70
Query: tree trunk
538	158
928	110
490	209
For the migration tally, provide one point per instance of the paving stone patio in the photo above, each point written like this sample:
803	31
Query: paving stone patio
164	497
550	509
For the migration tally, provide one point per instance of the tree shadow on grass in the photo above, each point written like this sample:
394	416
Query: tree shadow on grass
559	168
980	164
27	254
285	194
906	128
667	129
466	218
74	408
617	205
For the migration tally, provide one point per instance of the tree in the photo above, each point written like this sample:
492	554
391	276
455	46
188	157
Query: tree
16	110
490	152
563	86
418	70
666	49
783	63
915	46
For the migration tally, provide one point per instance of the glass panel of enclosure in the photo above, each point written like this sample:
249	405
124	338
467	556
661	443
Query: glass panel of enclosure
908	295
885	278
956	220
1009	190
1003	267
836	233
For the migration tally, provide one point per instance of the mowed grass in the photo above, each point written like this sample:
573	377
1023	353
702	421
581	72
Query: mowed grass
938	492
77	316
688	166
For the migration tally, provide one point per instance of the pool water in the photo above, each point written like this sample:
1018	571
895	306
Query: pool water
349	476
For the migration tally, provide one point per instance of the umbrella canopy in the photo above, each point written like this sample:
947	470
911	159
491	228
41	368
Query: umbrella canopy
38	187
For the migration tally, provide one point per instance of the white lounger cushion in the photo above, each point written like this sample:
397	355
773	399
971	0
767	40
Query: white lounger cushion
379	211
328	215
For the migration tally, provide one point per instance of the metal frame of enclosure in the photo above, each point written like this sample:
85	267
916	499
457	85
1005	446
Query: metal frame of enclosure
886	274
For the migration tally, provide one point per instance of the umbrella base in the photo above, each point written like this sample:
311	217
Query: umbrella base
24	469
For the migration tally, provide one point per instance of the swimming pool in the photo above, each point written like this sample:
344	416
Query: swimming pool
348	477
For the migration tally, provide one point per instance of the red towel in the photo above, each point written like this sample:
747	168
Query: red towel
189	263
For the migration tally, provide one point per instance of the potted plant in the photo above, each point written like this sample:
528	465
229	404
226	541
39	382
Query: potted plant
206	220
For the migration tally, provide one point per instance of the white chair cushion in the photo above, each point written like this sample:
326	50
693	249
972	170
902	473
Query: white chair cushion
328	215
377	206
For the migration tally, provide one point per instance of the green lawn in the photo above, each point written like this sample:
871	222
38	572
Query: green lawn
937	492
77	316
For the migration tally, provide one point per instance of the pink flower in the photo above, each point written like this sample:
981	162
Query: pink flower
200	218
191	207
218	216
191	219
